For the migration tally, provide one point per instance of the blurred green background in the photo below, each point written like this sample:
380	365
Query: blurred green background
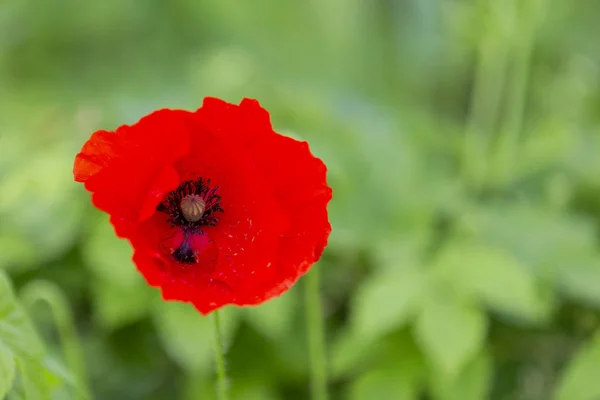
463	145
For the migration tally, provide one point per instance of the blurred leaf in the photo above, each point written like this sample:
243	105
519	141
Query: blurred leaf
35	381
198	386
7	370
494	276
450	332
580	279
18	337
110	257
16	250
540	238
387	300
544	147
16	331
383	384
584	154
59	376
188	335
203	387
349	351
110	309
580	379
472	383
37	202
400	352
273	318
401	249
253	390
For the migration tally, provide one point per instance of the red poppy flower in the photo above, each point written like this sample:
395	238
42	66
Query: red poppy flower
218	207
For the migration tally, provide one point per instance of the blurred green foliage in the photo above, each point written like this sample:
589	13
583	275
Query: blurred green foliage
462	140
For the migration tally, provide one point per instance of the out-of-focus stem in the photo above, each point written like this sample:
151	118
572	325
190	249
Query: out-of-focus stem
219	358
50	294
510	131
486	94
316	336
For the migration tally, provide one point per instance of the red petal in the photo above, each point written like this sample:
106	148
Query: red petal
130	170
95	155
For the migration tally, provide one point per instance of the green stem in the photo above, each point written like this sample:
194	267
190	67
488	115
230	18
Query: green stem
50	294
510	131
486	94
219	358
316	337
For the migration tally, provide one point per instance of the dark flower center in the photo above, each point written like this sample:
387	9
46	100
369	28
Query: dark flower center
192	205
184	254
